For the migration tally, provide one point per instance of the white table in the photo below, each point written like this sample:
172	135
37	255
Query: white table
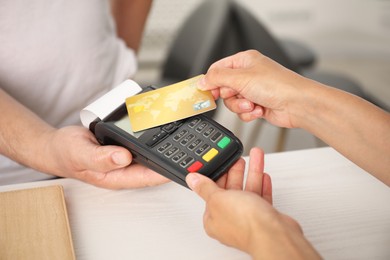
344	212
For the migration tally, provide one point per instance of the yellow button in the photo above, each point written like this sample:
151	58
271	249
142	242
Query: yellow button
210	154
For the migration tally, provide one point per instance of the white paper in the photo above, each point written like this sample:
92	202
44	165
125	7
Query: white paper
104	105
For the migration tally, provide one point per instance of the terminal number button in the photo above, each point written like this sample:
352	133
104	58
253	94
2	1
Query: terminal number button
216	136
202	149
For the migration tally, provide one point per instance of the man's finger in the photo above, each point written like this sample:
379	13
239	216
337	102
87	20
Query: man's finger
133	176
103	158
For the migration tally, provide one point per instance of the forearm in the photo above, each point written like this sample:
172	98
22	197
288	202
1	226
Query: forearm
22	133
353	126
130	18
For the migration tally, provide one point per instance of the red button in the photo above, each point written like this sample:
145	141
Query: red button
195	166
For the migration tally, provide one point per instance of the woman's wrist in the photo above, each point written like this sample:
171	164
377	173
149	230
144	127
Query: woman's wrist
306	103
278	239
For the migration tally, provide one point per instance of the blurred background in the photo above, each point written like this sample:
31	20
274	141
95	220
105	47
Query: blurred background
350	38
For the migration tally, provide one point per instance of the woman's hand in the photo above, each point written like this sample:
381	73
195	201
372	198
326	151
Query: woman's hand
243	217
254	86
231	208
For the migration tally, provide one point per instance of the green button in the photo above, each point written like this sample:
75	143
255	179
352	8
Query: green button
224	142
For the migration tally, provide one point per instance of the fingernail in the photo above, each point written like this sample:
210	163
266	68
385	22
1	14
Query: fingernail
192	180
258	112
202	83
245	105
120	158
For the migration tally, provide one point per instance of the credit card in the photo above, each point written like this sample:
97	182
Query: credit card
168	104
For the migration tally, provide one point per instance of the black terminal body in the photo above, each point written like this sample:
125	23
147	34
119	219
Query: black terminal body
195	144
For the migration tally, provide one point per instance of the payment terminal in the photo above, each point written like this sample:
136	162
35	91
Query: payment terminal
195	144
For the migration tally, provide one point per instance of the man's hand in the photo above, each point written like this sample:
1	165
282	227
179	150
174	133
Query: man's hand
75	153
